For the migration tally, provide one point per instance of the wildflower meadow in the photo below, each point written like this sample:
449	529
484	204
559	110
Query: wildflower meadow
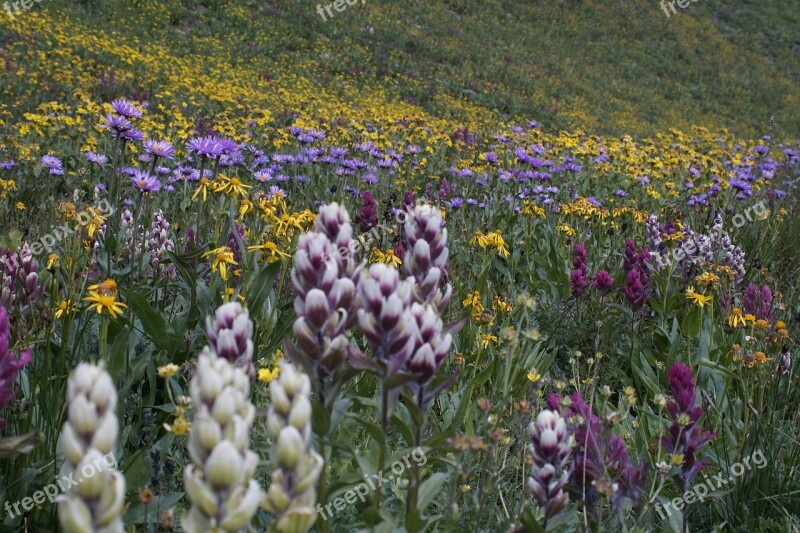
379	266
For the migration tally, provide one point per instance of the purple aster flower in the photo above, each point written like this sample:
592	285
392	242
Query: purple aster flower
116	123
621	193
209	146
455	203
125	108
370	177
96	158
133	134
53	164
8	165
159	148
273	190
145	182
263	176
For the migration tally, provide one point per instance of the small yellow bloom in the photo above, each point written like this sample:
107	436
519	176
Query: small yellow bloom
676	459
698	298
750	318
20	206
106	288
473	300
101	302
736	319
273	253
167	371
223	257
488	339
533	376
180	426
53	262
65	307
266	375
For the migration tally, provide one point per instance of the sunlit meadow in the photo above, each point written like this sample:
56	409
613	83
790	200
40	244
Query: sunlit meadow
413	268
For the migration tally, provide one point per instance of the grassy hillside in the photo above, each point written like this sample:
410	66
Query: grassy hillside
602	67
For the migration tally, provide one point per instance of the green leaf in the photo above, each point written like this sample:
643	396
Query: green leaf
530	523
320	419
152	322
691	322
429	489
260	288
119	352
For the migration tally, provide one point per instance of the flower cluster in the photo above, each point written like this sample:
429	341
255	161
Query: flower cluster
10	364
600	458
325	277
230	336
19	279
90	434
551	450
292	494
684	437
219	483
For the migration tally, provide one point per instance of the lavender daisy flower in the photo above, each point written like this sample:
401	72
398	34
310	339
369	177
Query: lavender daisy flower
116	124
125	108
100	159
276	190
263	176
8	165
145	182
159	148
133	134
209	146
53	164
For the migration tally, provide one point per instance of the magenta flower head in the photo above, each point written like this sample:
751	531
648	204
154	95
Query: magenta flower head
634	289
368	215
427	254
431	345
603	281
684	437
600	457
758	302
551	450
577	282
579	261
230	335
385	316
10	365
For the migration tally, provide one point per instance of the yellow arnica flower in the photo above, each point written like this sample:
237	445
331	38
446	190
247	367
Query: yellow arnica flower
53	261
533	376
180	426
223	257
232	187
20	206
760	357
389	257
566	230
103	302
488	339
205	183
473	300
65	307
266	375
480	239
736	319
106	288
273	252
167	371
698	298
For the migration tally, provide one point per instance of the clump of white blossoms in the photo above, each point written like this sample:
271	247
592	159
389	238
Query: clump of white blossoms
94	504
220	483
292	493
